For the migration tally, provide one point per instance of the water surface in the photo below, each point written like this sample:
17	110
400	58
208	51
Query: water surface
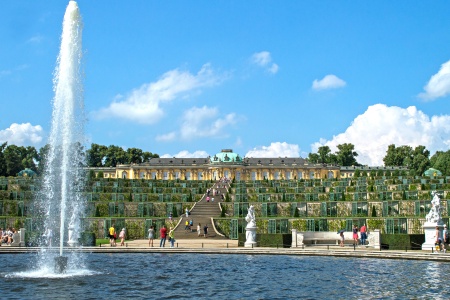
204	276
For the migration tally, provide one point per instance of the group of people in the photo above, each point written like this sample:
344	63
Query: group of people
7	235
361	239
188	225
163	235
113	236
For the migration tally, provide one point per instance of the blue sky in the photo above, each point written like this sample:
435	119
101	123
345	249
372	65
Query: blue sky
264	78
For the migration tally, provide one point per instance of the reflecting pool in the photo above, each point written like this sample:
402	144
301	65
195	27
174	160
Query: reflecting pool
205	276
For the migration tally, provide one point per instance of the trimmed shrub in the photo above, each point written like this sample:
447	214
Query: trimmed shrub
269	240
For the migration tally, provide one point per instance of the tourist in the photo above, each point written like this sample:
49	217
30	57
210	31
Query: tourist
122	237
170	217
186	227
151	236
363	231
342	239
445	237
187	212
207	199
199	229
355	235
162	235
205	230
191	223
171	237
438	237
112	231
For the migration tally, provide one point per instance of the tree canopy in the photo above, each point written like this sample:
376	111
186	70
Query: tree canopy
345	156
14	159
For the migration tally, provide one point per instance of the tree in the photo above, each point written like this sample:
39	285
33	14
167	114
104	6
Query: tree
134	155
42	158
346	156
441	161
324	154
115	155
420	161
2	159
146	156
399	156
13	159
29	158
95	155
313	158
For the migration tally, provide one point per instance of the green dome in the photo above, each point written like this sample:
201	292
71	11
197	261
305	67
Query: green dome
226	156
432	172
27	173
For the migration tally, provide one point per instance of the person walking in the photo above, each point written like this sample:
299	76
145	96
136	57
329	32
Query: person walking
112	231
355	235
342	239
205	230
163	235
122	237
186	226
151	236
172	237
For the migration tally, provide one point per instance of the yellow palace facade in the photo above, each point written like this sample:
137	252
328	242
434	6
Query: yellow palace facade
224	164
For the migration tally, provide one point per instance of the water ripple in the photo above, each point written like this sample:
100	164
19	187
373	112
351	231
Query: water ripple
199	276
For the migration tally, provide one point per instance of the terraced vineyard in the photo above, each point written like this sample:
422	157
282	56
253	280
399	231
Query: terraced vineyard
392	204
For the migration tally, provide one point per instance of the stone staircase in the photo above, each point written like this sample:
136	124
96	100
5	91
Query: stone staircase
202	212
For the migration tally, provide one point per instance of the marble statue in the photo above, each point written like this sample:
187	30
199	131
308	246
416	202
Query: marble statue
434	215
250	228
434	224
250	218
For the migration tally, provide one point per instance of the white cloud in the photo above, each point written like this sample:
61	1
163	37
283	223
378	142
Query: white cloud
328	82
167	137
439	84
276	149
187	154
381	125
205	122
201	122
143	105
23	134
264	59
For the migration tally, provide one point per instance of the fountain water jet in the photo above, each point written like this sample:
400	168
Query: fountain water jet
63	178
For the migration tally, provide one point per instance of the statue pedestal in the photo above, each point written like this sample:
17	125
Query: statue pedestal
250	236
297	239
430	235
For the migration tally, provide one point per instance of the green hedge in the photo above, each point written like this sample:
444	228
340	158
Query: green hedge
269	240
402	241
87	239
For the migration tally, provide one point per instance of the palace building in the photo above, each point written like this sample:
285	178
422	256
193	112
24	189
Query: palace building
224	164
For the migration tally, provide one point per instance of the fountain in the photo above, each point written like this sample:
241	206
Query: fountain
60	197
